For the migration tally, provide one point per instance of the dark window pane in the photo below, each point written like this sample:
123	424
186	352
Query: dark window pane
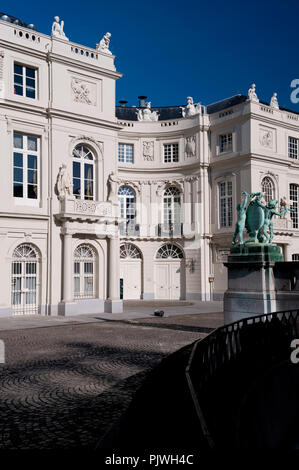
18	141
18	90
30	93
32	143
32	162
18	175
30	83
76	187
18	190
18	79
18	159
76	170
32	176
18	69
88	172
32	191
30	72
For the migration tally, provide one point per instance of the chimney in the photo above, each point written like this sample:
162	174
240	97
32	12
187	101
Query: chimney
142	102
123	103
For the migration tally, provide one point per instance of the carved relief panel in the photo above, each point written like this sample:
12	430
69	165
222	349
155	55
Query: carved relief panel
83	91
148	151
267	138
190	146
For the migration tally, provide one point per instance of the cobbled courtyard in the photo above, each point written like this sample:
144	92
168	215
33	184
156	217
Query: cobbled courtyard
64	386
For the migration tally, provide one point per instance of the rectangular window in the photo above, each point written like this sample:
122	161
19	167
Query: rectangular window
25	81
295	257
294	201
225	204
293	147
225	143
171	153
125	153
25	166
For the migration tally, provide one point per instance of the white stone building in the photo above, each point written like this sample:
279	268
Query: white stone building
101	203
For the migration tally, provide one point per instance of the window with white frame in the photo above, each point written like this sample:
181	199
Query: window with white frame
268	189
126	198
225	142
83	173
171	153
171	206
84	272
25	79
295	257
125	153
294	202
293	147
225	190
25	166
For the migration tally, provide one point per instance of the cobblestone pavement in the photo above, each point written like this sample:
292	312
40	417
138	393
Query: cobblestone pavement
63	386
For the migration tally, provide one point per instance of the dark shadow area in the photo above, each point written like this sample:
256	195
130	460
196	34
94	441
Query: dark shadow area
235	389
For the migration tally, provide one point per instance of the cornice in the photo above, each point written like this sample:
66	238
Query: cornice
53	57
275	121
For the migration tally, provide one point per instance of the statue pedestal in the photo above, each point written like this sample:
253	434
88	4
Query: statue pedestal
251	281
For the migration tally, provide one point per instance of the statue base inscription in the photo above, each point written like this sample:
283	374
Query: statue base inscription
259	281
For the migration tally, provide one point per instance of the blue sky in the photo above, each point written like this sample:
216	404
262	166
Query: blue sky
168	50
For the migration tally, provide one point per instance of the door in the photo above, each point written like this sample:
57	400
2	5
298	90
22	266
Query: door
168	280
24	288
130	273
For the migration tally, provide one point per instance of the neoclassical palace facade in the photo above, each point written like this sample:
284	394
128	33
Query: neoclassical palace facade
101	203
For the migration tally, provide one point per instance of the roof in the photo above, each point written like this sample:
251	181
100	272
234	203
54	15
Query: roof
128	113
17	21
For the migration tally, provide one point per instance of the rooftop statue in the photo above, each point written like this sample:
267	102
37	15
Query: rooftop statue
103	45
257	218
252	94
274	101
190	109
57	29
64	183
146	114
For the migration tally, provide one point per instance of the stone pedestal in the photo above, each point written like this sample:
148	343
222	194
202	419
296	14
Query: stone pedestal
251	281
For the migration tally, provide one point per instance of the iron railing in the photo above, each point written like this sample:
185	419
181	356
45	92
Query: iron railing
227	359
170	230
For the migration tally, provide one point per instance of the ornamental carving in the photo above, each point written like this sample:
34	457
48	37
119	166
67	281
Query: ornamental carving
148	151
190	146
252	96
99	146
104	43
57	29
266	138
85	206
274	101
146	114
190	109
64	183
81	91
162	185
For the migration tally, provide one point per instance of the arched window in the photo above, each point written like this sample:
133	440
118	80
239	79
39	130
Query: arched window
84	272
83	173
128	250
126	198
169	251
171	206
268	189
24	280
